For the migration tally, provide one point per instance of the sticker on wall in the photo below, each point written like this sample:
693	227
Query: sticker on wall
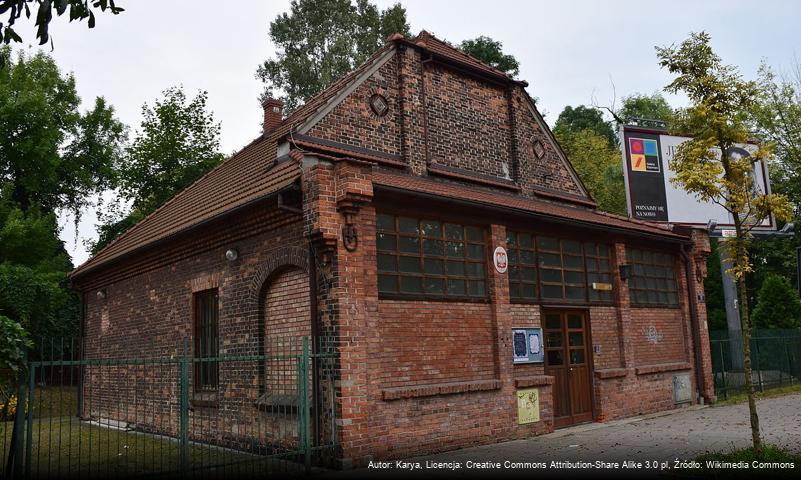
500	260
528	406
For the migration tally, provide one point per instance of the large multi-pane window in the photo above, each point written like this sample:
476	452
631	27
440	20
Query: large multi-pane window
206	340
430	258
653	278
553	269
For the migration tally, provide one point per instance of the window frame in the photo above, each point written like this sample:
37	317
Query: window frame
205	368
421	238
539	299
634	277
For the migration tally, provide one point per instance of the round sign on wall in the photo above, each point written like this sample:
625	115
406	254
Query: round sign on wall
500	260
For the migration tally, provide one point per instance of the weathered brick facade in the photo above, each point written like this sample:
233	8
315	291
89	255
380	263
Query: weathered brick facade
413	375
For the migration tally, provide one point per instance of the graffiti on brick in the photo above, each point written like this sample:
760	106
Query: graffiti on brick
652	334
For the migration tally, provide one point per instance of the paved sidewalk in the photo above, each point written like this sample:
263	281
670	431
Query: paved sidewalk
682	435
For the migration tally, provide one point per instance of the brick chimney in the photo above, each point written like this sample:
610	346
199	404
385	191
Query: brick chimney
273	113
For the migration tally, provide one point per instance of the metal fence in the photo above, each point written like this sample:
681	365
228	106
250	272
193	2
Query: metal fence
775	360
82	415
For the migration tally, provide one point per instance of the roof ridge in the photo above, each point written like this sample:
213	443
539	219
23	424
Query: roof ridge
426	35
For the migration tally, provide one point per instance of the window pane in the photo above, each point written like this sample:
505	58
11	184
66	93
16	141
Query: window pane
525	240
455	268
550	260
576	356
574	321
575	293
528	291
572	261
431	228
576	339
411	284
387	283
556	357
475	252
434	266
385	222
476	288
547	243
435	285
528	273
549	275
433	247
409	244
553	339
527	257
409	264
454	232
475	270
386	242
553	321
552	291
386	263
407	225
475	234
511	239
574	277
455	249
456	287
571	246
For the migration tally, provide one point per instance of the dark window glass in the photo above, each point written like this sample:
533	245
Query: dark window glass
653	279
422	257
206	340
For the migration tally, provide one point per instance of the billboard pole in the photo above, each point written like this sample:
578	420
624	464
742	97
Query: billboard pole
732	311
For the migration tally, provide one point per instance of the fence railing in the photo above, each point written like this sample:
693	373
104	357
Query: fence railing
775	360
93	414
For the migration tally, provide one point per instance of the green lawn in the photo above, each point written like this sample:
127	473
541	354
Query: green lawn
64	446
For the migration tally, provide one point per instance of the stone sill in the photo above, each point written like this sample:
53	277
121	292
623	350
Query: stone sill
534	381
665	367
439	389
610	373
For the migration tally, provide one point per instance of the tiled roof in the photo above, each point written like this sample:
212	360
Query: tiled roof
557	211
436	46
245	177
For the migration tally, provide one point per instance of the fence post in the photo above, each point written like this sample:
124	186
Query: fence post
755	353
305	404
29	434
15	455
723	366
183	438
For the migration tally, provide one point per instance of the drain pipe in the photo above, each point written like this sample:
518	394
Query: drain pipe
694	322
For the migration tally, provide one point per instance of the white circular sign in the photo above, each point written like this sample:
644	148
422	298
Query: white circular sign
500	260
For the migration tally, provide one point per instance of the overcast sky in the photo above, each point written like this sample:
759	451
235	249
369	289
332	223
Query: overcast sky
569	51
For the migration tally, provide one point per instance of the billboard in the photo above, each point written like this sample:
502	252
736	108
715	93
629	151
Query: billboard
650	195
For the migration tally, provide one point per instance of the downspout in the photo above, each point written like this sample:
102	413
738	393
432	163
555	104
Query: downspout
693	321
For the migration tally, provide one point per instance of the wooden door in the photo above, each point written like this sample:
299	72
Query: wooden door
567	358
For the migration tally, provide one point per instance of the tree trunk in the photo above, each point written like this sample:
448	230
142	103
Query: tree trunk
739	254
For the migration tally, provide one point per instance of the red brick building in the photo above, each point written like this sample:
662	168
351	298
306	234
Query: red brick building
378	214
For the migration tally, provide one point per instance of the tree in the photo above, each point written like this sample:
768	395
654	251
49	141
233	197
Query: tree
778	305
705	166
52	156
580	118
599	165
777	119
77	10
321	40
638	107
178	142
490	52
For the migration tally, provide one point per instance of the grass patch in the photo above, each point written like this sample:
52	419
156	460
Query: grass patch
68	447
772	392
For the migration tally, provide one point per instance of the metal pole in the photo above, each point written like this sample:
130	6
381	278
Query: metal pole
305	403
732	310
184	407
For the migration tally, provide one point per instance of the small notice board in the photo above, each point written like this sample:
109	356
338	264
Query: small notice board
527	345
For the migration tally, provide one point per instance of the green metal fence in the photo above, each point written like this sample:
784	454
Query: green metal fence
775	360
97	415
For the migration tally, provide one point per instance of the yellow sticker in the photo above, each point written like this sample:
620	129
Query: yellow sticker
638	162
528	406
